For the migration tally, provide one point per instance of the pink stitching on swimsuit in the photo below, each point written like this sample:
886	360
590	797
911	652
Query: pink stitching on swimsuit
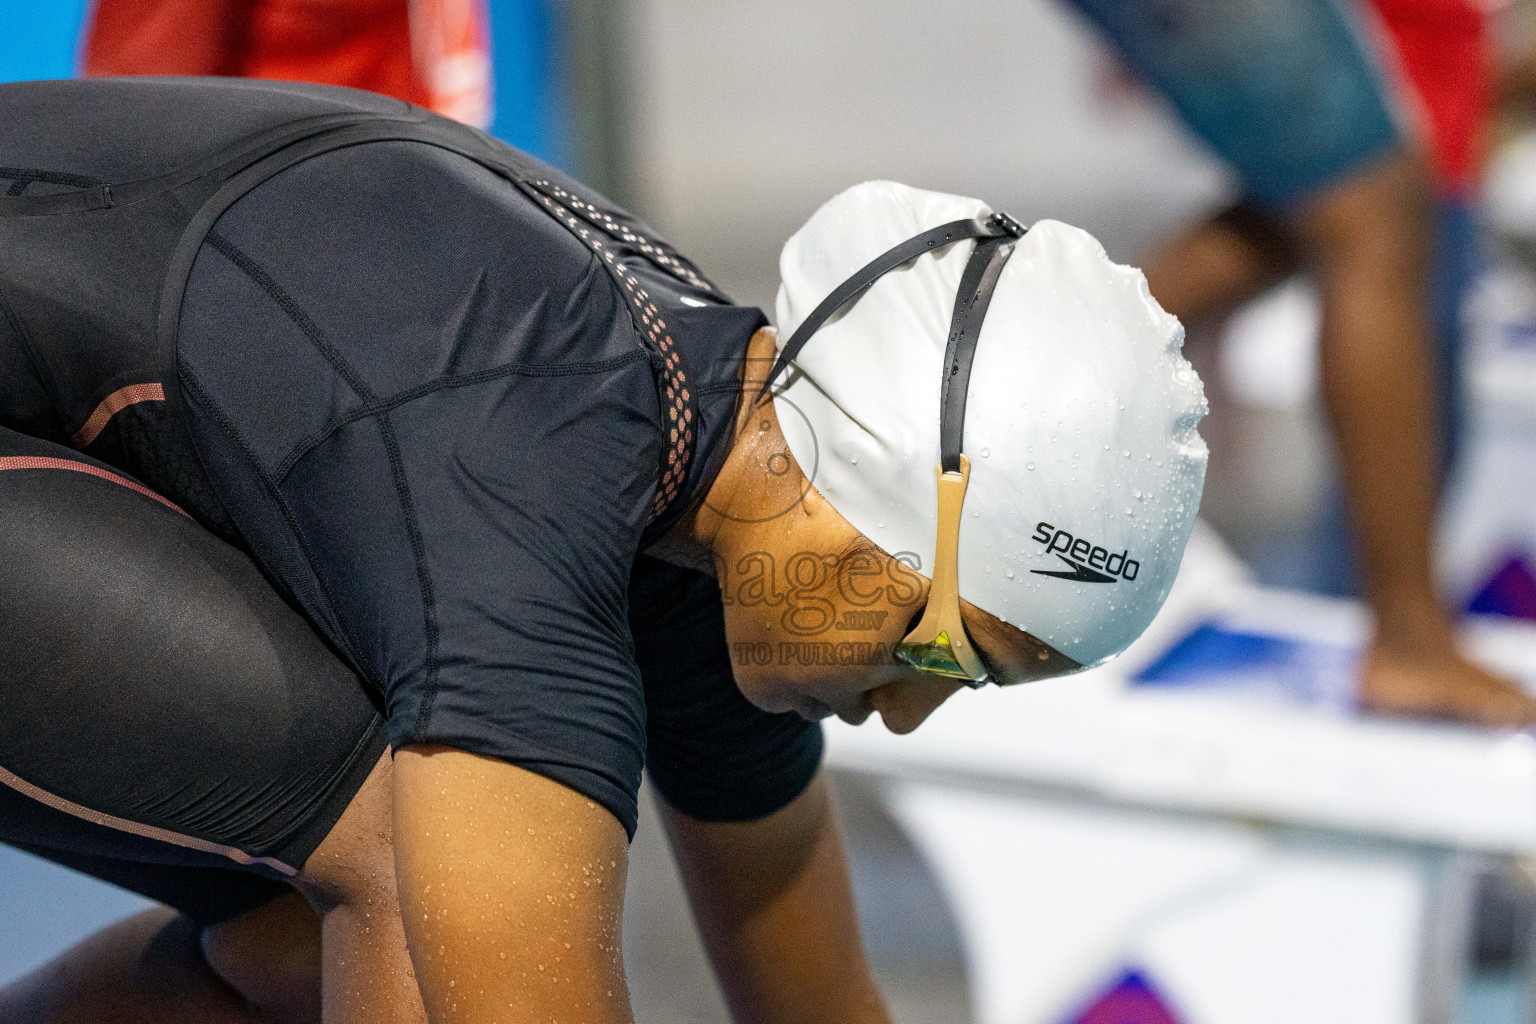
39	462
113	404
58	803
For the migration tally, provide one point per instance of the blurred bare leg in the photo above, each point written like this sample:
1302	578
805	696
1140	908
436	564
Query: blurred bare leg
152	969
1366	241
1219	264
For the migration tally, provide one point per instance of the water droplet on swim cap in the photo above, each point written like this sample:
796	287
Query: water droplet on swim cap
1072	342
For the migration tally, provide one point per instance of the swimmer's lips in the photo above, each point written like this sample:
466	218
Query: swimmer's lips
1079	573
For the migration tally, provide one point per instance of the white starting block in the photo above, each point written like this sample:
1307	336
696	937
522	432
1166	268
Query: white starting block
1205	832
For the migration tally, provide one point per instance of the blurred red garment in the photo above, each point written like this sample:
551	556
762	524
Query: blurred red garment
1445	50
434	53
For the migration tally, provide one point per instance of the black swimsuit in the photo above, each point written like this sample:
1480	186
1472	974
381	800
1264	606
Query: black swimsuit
439	394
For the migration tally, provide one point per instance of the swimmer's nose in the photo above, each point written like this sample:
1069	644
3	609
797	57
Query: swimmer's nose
906	704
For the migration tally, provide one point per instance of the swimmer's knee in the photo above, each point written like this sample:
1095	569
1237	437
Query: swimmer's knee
270	957
355	862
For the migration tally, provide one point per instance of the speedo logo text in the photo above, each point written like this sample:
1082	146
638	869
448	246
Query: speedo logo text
1086	562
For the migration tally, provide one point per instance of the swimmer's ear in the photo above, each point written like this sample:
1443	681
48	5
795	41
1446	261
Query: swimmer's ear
858	546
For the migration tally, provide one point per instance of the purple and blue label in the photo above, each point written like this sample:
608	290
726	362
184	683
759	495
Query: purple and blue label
1129	999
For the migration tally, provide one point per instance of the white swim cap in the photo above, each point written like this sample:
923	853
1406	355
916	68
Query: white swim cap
1086	465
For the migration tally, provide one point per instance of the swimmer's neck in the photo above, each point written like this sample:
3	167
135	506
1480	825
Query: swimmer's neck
759	490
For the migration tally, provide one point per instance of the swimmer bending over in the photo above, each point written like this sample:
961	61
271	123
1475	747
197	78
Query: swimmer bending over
376	502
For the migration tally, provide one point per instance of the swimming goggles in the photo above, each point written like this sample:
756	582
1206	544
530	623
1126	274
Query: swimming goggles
939	643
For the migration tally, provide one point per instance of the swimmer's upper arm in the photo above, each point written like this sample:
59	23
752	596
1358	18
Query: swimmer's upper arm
512	890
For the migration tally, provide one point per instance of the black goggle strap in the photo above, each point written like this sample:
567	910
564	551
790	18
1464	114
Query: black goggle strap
977	284
939	643
996	226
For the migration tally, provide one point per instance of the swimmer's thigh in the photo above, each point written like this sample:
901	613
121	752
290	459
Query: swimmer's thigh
167	723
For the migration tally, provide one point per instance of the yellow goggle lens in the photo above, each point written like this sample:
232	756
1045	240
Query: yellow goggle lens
936	656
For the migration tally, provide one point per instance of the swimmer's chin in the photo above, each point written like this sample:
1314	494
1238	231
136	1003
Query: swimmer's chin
857	715
813	710
853	710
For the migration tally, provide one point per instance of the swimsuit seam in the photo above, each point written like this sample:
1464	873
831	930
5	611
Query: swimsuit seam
385	405
316	337
302	320
228	430
31	174
423	572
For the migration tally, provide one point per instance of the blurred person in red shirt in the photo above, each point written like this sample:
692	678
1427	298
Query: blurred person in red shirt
1444	49
433	53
